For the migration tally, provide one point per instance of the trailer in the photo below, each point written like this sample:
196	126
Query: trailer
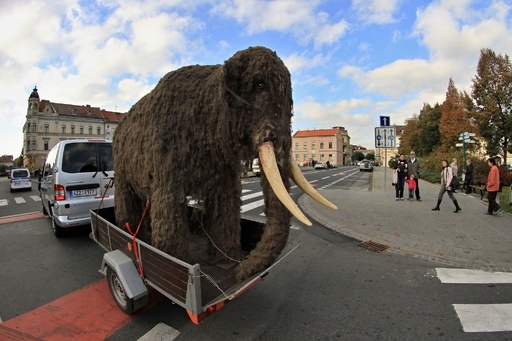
131	265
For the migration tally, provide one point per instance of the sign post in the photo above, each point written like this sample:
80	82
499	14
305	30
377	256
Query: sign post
465	137
385	137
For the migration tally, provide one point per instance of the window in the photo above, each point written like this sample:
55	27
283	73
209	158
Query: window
305	145
313	145
28	126
297	157
28	145
63	128
33	127
322	157
296	145
90	130
81	130
305	157
330	145
87	157
72	129
46	145
321	145
34	145
313	156
46	128
98	130
331	157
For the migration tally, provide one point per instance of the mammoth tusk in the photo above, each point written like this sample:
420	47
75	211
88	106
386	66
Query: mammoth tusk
269	164
301	181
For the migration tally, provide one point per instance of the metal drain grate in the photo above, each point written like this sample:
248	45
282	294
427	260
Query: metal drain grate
372	246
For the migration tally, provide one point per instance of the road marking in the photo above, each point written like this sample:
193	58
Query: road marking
477	318
19	200
35	198
160	332
472	276
252	205
20	217
4	202
250	196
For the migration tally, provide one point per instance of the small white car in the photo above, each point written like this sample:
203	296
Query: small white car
366	166
320	165
20	179
256	167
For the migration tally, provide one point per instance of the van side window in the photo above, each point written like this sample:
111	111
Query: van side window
50	162
79	158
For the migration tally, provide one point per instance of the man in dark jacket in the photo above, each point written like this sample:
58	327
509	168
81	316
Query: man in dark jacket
413	167
469	175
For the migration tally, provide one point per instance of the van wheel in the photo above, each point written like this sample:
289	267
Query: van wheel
118	293
44	211
57	230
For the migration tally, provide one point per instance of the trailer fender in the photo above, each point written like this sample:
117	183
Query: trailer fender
128	275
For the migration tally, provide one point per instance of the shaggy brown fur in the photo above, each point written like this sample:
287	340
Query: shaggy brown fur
187	137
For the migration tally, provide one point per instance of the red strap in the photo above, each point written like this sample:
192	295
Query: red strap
134	239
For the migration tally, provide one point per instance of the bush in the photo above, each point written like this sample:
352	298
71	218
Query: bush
505	176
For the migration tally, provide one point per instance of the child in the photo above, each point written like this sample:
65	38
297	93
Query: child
412	186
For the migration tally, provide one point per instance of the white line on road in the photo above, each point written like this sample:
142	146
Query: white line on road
485	317
160	332
19	200
252	205
252	195
4	202
472	276
35	198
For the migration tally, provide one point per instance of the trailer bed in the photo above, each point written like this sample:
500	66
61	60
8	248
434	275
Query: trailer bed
190	283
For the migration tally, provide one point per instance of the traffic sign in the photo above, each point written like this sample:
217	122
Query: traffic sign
385	137
385	121
458	145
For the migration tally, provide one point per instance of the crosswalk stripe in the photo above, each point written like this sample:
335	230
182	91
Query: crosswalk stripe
19	200
252	205
485	317
4	202
472	276
252	195
35	198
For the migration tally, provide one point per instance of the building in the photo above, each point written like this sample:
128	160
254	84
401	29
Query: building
7	161
322	145
48	123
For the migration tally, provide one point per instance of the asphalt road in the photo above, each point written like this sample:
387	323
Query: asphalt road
328	289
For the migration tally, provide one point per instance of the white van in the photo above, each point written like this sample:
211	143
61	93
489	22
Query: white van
78	176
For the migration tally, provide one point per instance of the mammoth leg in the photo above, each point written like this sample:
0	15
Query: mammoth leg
169	224
222	223
129	209
273	240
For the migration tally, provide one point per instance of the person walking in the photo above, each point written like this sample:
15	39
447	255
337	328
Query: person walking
413	167
446	179
401	168
492	187
468	177
411	184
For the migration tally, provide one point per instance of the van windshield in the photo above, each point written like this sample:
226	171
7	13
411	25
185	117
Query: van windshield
87	157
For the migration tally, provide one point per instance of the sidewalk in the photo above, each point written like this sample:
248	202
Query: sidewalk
468	239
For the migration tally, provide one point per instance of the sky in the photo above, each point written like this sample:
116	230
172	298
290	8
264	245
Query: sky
350	61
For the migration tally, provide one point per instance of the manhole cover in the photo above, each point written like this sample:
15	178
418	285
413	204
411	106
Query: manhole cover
372	246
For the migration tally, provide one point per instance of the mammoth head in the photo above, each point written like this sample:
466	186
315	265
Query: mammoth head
258	90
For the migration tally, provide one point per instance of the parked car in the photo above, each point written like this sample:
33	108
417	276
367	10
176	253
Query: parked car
77	177
365	165
320	165
256	167
20	179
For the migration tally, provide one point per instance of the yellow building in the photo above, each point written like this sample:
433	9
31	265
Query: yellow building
322	145
48	123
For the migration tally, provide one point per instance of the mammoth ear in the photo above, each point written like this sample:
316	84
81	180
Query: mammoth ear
233	70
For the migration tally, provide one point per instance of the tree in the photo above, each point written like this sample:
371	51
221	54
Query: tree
492	93
454	118
429	138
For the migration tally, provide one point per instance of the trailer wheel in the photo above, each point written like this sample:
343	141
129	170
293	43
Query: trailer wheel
117	290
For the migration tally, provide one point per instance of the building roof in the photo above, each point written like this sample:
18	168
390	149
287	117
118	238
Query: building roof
6	158
62	109
316	132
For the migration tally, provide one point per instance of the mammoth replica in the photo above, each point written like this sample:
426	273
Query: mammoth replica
186	138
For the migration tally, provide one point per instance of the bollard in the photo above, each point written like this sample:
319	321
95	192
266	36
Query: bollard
510	196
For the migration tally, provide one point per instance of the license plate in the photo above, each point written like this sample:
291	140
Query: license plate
83	192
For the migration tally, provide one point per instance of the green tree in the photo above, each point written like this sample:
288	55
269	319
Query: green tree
492	93
429	138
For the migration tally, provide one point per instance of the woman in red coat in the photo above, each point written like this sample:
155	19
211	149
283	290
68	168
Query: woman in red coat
493	186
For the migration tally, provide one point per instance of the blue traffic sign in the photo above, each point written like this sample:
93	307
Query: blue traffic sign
385	121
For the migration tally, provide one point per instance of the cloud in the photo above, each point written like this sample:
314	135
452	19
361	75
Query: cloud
376	11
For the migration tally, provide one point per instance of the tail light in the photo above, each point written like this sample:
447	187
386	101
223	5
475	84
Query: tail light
60	193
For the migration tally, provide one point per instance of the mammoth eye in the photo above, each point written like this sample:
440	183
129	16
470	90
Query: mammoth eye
259	85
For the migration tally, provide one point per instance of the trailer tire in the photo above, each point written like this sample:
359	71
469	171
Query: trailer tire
118	292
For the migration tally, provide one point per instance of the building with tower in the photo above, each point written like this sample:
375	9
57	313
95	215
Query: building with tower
49	122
